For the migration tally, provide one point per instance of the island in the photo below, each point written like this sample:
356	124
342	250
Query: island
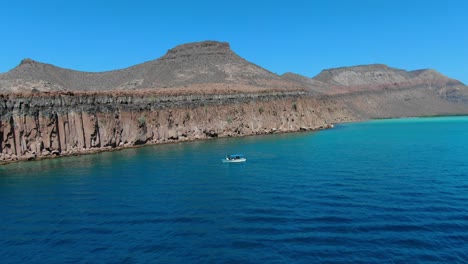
198	91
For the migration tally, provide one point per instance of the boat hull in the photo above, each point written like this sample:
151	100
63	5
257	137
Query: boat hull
234	160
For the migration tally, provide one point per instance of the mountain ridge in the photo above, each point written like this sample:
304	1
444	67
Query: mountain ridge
213	63
184	65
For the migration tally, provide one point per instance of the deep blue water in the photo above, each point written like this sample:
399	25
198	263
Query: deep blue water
387	191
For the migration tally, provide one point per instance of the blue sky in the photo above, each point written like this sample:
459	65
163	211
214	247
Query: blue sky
298	36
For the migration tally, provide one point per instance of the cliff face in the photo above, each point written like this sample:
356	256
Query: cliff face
34	126
37	126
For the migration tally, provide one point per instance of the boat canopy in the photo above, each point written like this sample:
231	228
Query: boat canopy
235	156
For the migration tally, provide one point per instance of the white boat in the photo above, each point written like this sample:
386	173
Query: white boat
235	158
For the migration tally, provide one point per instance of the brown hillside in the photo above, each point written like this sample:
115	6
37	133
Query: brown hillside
212	67
184	65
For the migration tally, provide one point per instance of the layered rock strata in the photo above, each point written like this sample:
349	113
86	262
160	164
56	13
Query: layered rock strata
33	126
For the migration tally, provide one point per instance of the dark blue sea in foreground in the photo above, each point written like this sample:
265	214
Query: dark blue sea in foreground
387	191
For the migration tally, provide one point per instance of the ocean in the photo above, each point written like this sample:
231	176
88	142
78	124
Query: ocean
383	191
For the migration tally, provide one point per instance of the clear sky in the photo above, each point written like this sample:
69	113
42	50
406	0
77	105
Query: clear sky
298	36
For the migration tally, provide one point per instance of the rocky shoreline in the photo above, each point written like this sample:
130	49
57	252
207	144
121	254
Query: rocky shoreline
48	125
119	148
37	127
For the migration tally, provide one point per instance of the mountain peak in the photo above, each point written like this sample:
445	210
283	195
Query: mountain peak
359	68
28	61
198	48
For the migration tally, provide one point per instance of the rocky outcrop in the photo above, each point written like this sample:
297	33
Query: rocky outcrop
66	124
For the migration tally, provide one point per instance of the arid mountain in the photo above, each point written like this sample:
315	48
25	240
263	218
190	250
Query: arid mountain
375	77
204	64
363	75
379	74
190	64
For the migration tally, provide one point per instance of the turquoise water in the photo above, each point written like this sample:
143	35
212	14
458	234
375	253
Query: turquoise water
387	191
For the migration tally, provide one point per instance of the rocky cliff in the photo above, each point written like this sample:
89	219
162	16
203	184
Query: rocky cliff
64	124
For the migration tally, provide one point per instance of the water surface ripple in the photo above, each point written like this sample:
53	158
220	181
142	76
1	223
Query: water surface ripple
391	191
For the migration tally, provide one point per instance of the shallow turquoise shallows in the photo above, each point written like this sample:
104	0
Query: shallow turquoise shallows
386	191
